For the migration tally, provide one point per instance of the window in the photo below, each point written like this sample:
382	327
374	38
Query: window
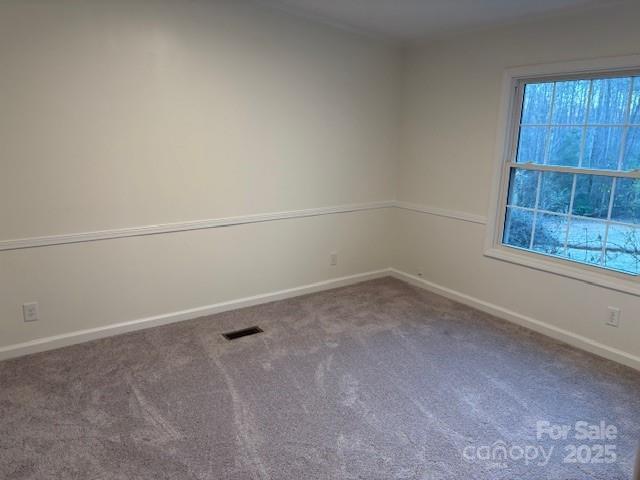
572	177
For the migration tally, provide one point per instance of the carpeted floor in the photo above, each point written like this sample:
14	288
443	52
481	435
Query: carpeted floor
378	380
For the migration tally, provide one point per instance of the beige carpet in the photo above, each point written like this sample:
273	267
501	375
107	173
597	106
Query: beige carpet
379	380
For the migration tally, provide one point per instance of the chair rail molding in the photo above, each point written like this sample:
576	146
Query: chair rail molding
442	212
164	228
93	236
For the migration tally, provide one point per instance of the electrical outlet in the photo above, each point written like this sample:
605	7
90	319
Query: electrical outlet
613	317
333	259
30	312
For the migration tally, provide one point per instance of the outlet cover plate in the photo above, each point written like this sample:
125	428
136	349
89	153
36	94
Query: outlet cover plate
30	312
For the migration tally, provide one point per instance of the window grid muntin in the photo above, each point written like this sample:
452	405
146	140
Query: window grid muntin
578	217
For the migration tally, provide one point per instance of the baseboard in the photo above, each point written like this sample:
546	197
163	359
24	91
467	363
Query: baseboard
64	340
80	336
544	328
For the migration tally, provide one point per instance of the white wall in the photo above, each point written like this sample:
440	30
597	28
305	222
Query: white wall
129	113
451	104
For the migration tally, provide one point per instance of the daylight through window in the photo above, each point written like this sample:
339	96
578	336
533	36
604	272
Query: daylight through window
574	178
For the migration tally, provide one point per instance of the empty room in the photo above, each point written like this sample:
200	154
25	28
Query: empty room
320	239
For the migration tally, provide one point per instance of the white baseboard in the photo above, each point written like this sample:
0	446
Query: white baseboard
578	341
544	328
66	339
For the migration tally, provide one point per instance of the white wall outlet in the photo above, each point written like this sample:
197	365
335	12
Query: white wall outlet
30	312
333	259
613	317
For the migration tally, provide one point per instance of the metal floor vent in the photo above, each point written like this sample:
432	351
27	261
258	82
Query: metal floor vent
242	333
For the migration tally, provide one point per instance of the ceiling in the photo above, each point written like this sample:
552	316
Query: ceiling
416	19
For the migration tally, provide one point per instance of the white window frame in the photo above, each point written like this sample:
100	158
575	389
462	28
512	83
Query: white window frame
505	146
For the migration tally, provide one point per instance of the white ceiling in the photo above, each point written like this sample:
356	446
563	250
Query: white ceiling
415	19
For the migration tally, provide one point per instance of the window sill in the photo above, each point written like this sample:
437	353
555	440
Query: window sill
629	286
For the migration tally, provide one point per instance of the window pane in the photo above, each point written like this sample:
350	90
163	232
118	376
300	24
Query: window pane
564	146
593	193
634	116
632	149
623	248
570	102
626	201
587	218
522	188
585	240
609	100
555	192
602	148
550	233
531	144
517	228
537	103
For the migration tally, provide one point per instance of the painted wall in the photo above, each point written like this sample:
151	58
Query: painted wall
128	113
451	104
